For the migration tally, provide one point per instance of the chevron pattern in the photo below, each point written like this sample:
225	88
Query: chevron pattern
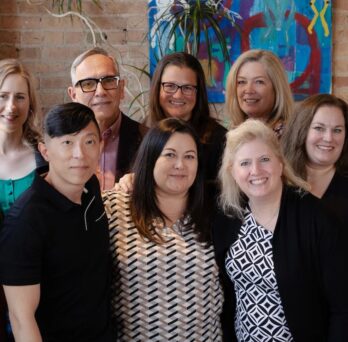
167	292
249	263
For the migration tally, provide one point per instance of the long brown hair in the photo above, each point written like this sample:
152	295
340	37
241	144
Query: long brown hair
144	207
296	131
200	120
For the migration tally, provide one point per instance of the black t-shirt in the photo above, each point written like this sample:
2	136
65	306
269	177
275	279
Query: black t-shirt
64	247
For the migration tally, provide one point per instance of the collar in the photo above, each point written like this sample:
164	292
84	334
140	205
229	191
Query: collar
114	130
53	196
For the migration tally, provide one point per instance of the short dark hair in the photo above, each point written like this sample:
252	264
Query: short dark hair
68	118
144	206
201	120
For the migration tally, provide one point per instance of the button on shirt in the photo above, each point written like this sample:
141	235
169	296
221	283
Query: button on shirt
107	170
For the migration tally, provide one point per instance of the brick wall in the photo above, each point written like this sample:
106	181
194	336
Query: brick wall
48	45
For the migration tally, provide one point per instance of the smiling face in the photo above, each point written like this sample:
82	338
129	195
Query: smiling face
176	167
257	171
73	158
14	104
325	138
255	92
104	103
178	105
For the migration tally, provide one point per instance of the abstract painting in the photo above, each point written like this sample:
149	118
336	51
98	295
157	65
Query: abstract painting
298	31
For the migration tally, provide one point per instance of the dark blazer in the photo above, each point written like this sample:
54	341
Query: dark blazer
311	267
335	197
213	150
131	135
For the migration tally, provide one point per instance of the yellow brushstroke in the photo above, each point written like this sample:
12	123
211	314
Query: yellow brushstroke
323	20
315	18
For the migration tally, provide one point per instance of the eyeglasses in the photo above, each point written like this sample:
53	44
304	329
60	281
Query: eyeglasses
172	88
90	84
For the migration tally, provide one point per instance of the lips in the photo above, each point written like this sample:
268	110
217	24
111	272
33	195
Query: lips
325	148
177	103
9	117
250	101
258	181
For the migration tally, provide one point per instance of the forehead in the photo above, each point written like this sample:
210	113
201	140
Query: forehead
180	74
329	114
253	149
252	69
181	141
15	82
96	66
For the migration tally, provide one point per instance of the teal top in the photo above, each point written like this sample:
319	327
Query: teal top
11	189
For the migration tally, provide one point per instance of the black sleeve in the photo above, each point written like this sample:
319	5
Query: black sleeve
333	240
223	234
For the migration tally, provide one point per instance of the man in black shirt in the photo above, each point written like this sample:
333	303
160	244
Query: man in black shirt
54	260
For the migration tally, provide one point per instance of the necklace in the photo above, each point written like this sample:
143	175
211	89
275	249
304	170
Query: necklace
264	219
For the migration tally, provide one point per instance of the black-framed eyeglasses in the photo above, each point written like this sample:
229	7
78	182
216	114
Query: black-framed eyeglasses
172	88
90	84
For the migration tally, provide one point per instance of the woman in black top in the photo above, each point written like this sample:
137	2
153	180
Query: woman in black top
281	256
316	145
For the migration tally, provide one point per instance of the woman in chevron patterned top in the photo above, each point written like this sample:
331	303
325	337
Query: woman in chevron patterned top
282	257
165	284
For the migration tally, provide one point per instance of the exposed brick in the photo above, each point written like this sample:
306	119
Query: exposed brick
48	45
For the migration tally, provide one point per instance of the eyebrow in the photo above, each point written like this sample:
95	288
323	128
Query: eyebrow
172	149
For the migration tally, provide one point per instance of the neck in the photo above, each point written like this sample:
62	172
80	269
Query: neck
10	142
265	211
319	178
173	207
72	192
105	124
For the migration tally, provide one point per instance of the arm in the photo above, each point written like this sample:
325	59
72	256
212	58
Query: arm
22	304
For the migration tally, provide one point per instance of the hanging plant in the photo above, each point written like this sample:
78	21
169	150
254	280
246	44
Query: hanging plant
194	23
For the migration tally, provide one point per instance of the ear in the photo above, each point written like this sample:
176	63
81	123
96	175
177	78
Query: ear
43	150
72	93
121	86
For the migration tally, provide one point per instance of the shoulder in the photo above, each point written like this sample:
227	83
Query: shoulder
132	125
225	230
115	201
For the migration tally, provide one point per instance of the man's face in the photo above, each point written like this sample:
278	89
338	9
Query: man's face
104	103
73	158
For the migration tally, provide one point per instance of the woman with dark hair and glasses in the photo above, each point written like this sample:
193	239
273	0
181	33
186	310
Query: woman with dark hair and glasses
178	89
165	283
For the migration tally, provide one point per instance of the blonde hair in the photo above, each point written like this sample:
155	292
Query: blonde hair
283	105
231	198
31	127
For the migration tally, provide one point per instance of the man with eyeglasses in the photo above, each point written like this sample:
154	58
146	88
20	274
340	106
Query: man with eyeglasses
96	83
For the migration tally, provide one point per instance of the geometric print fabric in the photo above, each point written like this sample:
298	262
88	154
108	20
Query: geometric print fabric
161	292
249	263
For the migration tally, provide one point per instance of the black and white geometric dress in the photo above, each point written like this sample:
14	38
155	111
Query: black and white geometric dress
161	292
249	264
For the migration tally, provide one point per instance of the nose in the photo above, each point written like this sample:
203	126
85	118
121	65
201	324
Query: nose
11	104
249	88
100	91
254	168
178	163
77	151
327	135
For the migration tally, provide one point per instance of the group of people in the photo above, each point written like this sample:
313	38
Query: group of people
208	235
